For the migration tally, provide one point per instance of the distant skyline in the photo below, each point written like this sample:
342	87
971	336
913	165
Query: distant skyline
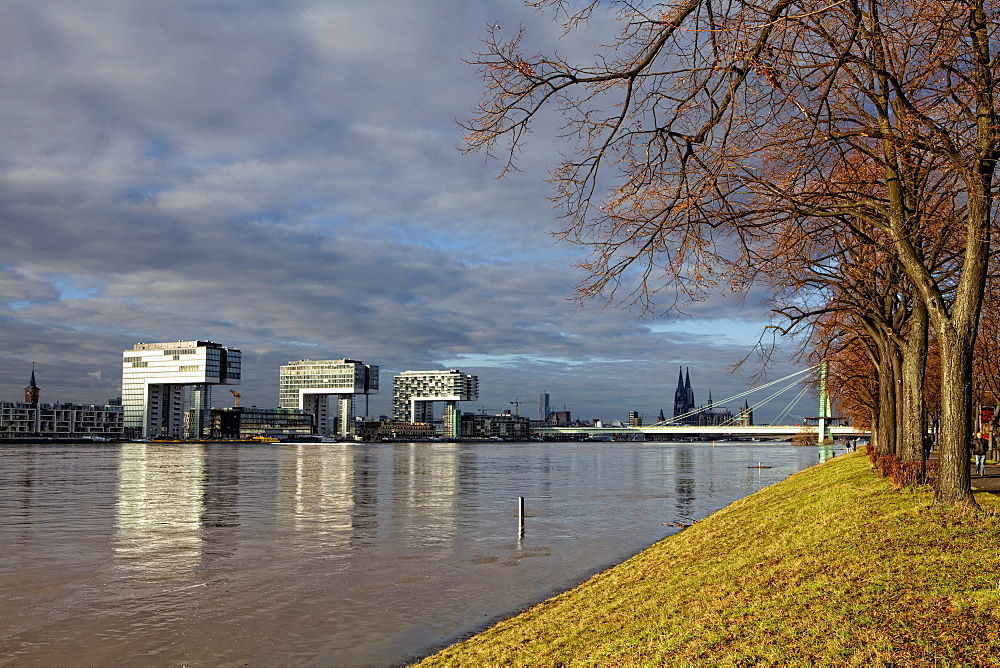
283	177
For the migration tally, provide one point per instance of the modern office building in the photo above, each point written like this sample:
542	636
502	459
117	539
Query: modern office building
245	423
414	392
504	426
156	377
309	384
543	406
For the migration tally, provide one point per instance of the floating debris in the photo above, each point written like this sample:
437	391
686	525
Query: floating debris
682	525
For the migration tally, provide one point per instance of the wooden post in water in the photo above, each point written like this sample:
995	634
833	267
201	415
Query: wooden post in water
520	514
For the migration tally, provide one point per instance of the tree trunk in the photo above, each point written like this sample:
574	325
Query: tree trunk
886	430
914	419
954	484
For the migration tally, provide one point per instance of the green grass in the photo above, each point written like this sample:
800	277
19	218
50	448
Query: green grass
831	566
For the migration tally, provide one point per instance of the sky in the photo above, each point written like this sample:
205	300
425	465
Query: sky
285	177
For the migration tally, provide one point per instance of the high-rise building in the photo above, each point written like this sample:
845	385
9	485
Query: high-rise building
155	377
543	406
309	384
413	394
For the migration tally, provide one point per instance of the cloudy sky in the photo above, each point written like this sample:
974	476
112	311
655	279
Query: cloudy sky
284	177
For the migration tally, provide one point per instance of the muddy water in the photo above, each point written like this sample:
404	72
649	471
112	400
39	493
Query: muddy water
317	554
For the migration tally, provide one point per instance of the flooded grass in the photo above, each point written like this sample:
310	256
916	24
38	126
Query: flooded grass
830	566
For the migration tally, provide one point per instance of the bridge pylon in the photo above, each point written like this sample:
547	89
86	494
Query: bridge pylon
825	412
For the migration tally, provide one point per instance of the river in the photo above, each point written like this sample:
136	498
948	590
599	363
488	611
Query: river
326	554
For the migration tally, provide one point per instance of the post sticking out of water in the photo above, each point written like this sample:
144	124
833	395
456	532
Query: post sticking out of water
520	514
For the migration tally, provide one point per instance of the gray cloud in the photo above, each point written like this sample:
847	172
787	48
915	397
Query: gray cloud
283	177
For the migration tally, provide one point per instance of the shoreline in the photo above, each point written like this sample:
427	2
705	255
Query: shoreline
828	566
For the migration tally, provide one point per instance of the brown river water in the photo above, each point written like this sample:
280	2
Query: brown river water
326	554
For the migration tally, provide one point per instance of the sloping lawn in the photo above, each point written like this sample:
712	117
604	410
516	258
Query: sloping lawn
831	566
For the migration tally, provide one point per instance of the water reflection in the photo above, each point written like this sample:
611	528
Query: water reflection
315	492
684	482
327	554
160	510
425	487
220	517
364	512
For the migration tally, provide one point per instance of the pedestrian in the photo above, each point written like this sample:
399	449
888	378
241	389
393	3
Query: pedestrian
928	444
979	447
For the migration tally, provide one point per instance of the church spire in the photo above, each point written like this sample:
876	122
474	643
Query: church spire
32	392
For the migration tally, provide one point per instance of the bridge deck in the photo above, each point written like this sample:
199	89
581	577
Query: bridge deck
762	431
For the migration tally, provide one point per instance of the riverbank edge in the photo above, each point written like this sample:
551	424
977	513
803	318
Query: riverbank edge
829	566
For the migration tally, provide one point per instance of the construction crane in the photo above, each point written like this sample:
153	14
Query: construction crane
236	398
517	406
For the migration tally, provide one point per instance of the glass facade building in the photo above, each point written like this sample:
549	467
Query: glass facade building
308	385
155	377
247	422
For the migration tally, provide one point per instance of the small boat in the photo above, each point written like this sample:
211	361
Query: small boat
264	439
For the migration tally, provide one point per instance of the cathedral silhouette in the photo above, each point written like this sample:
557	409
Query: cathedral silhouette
687	412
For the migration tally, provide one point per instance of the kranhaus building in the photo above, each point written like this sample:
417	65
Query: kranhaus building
414	393
309	384
159	380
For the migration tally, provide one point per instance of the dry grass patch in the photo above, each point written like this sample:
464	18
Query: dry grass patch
830	566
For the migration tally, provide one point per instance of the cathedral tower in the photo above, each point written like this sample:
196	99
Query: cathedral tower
683	397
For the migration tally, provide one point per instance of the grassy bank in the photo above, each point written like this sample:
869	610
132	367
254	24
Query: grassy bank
829	566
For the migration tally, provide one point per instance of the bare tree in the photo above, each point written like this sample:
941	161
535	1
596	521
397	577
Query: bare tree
704	124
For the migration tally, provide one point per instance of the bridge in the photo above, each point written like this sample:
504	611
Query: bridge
734	428
684	432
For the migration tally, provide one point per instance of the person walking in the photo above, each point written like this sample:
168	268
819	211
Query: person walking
979	448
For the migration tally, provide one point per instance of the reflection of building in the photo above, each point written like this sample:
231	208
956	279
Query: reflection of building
155	376
315	493
30	418
413	393
159	511
506	426
308	385
247	422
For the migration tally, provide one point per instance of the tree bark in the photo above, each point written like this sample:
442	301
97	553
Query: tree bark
886	430
914	419
954	484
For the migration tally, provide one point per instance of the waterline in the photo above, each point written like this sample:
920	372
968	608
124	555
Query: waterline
322	553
